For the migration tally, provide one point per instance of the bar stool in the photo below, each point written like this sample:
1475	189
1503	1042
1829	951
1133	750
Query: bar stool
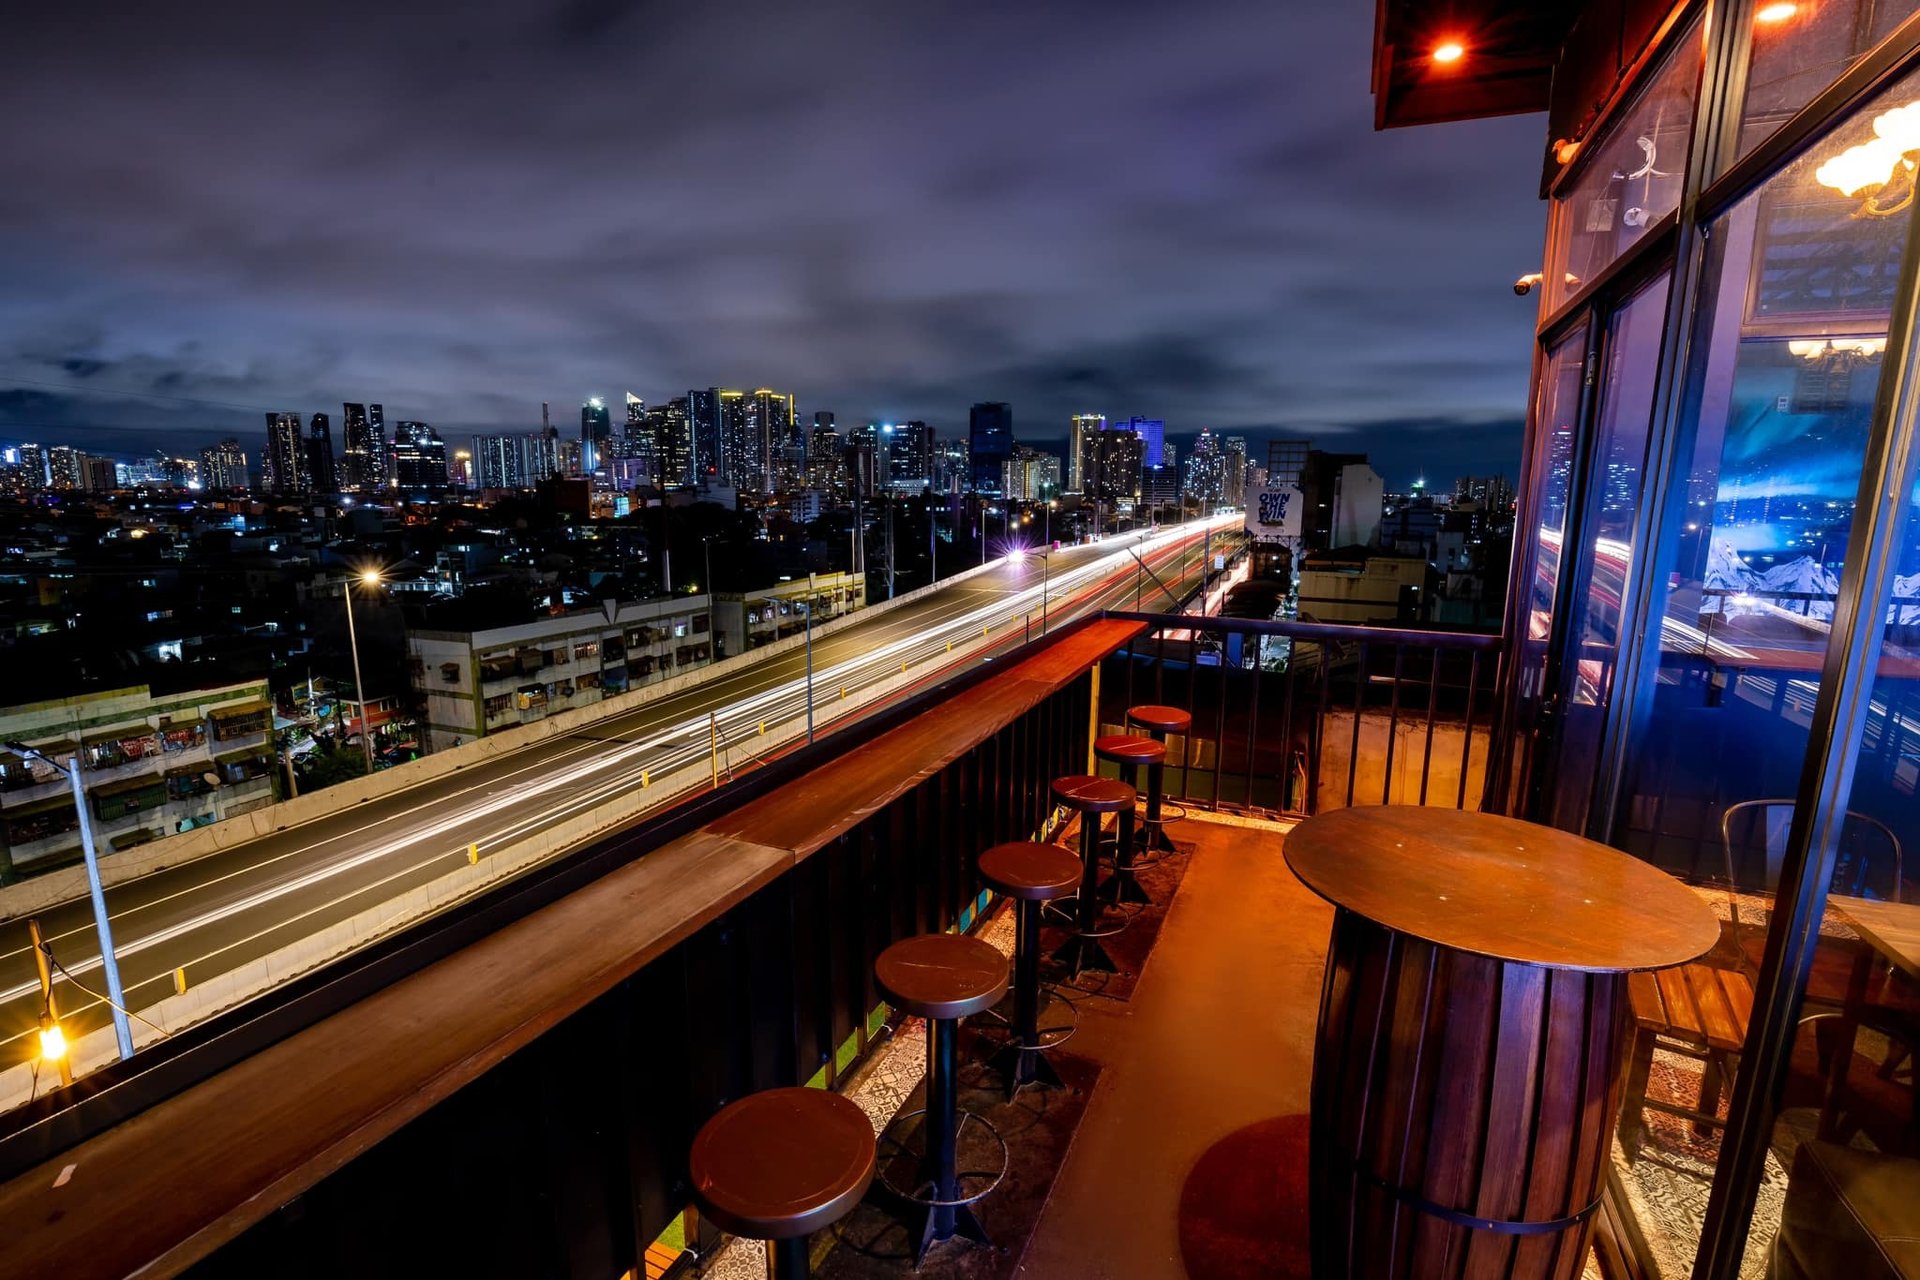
780	1165
1129	752
943	977
1030	873
1090	797
1158	722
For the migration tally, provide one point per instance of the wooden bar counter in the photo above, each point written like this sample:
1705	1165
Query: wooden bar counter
1472	1023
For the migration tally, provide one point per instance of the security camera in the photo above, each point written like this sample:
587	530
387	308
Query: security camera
1524	285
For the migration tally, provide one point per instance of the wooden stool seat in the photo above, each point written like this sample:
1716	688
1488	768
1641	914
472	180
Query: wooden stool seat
783	1163
1159	719
1085	793
1030	871
1129	749
1699	1004
942	975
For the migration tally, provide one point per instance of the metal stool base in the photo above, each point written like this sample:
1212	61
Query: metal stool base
934	1220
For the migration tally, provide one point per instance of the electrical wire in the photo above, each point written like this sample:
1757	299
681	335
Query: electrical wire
96	995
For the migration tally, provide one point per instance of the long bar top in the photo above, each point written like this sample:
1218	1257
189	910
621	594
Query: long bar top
161	1190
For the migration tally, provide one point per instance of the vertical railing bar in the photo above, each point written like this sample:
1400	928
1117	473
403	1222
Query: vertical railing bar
1286	728
1393	722
1466	735
1193	685
1253	718
1433	701
1325	676
1220	721
1359	705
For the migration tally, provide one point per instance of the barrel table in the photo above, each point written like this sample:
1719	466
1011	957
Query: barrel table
1468	1061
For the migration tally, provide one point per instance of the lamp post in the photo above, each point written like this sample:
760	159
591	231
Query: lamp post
371	577
1046	566
809	659
109	963
713	636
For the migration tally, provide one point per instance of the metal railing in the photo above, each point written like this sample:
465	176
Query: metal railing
1291	718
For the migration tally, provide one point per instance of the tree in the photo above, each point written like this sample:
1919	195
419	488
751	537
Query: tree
323	768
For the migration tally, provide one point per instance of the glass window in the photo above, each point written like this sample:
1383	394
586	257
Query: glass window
1555	426
1798	289
1620	457
1629	179
1799	47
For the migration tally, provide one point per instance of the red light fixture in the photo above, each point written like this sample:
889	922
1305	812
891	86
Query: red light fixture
1448	52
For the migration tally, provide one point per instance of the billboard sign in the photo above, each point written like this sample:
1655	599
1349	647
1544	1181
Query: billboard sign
1274	513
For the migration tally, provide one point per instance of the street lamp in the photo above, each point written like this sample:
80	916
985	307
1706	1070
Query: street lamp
371	577
109	963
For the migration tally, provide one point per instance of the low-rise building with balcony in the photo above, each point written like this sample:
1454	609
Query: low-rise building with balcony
153	764
747	620
474	683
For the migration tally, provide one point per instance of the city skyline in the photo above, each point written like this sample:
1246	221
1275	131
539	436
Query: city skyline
1155	251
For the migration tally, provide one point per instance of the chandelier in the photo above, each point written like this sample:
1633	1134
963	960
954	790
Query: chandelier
1838	352
1880	171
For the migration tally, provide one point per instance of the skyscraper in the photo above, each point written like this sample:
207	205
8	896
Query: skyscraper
66	468
320	469
734	467
223	467
703	417
673	442
33	460
1084	425
596	434
909	447
1153	439
1112	466
363	458
284	465
419	458
1234	450
766	431
990	443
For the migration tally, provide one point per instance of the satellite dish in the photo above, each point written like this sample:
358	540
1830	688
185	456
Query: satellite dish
210	778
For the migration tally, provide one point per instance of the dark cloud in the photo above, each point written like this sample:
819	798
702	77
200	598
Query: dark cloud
1174	210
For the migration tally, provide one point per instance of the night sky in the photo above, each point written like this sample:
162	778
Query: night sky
892	210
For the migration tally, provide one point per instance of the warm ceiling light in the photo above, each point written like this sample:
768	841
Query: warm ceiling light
1779	11
1449	51
1564	151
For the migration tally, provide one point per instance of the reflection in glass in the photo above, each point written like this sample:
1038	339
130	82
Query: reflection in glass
1620	456
1786	364
1630	177
1797	49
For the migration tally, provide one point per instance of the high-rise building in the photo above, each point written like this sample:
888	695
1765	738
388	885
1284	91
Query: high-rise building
1234	451
596	434
98	475
1206	473
33	463
909	449
766	432
419	458
1112	465
1287	462
66	468
1031	475
514	461
284	465
320	469
1084	425
673	442
989	443
827	461
703	417
1153	439
952	466
223	467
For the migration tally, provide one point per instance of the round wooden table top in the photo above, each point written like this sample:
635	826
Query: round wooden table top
1128	748
1086	793
1498	887
942	975
1030	870
782	1163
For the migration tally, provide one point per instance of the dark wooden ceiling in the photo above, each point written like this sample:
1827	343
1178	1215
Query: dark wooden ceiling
1511	49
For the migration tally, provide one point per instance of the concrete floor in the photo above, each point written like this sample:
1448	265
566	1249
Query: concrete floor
1218	1035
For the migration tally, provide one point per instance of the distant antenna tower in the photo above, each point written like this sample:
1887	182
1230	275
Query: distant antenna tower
545	424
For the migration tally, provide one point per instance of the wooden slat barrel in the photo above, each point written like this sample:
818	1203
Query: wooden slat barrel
1472	1026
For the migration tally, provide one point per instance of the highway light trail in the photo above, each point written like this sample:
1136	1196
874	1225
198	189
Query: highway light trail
224	919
